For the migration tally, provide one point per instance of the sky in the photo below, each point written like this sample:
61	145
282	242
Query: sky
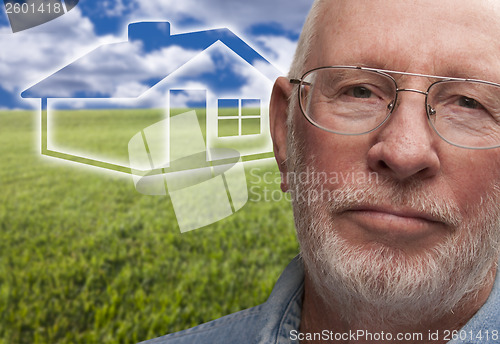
270	27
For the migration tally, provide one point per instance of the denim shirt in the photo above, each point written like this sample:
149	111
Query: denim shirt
278	319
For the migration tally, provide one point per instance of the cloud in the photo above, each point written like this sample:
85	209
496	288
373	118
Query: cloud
118	70
130	89
4	108
171	58
184	99
115	8
237	15
256	86
280	51
200	73
29	56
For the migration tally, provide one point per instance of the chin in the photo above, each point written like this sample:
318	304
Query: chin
380	280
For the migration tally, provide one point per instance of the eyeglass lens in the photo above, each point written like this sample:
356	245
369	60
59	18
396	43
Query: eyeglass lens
355	101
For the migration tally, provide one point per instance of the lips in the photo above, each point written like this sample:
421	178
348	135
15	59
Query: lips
408	213
399	222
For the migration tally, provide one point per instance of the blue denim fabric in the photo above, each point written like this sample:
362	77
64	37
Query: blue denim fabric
273	321
484	322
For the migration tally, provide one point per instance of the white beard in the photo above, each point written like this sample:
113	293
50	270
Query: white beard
383	283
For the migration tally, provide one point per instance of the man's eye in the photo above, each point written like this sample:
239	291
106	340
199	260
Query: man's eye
469	103
359	92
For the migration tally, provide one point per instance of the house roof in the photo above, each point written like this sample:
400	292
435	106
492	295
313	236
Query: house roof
150	55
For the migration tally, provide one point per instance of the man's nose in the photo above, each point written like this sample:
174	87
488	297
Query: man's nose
405	146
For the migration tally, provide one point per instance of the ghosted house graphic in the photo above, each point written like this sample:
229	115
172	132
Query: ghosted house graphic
112	90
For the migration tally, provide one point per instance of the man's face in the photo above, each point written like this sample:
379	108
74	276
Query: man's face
433	209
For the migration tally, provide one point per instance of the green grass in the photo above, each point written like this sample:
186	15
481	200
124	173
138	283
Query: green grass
84	258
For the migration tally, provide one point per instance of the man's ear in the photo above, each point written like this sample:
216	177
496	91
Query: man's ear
278	113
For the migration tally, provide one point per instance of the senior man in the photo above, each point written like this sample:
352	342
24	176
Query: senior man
407	90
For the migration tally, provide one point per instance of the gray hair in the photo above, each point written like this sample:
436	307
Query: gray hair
306	40
303	51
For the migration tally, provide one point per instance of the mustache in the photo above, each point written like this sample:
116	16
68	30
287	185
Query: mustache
412	196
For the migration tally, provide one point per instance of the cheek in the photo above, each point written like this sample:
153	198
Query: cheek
472	176
334	153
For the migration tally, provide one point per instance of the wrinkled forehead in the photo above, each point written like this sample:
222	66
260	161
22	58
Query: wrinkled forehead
450	37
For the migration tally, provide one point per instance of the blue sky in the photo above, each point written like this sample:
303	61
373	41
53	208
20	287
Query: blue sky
271	27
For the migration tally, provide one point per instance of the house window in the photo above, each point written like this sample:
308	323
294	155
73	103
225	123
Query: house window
238	117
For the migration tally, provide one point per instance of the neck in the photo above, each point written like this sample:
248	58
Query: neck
324	319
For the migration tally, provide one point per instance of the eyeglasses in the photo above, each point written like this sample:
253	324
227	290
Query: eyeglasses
352	100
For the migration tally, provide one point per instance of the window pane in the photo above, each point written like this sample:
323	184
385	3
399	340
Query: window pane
228	107
250	126
228	127
250	107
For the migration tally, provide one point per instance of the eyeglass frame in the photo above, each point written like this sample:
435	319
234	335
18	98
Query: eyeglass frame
385	72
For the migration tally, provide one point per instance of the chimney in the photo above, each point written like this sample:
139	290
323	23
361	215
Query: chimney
153	35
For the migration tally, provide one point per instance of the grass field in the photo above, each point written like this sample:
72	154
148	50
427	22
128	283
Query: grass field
84	258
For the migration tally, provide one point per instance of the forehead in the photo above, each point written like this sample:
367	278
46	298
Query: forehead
450	37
